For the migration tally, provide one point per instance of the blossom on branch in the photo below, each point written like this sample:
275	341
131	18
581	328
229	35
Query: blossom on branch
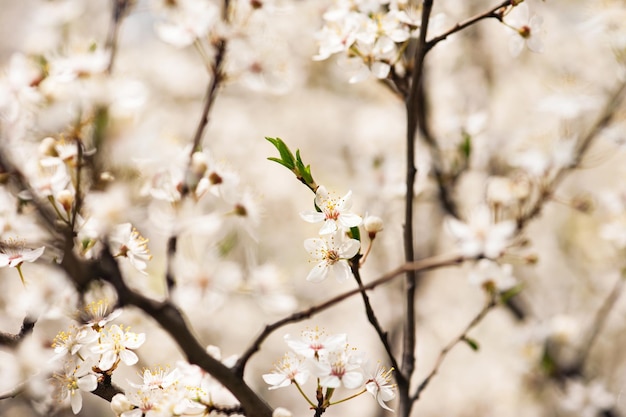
334	212
331	254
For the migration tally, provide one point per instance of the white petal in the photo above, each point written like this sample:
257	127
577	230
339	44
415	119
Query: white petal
330	226
315	247
318	273
341	271
128	357
107	360
349	248
349	220
276	380
88	383
312	216
352	380
76	401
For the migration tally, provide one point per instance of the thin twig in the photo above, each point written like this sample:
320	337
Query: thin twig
494	12
421	266
444	352
599	321
371	316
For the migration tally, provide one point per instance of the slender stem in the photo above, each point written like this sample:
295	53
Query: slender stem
444	352
421	265
308	400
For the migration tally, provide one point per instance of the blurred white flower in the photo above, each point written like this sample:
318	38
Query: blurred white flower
529	31
334	212
13	253
492	276
184	21
480	236
587	399
331	254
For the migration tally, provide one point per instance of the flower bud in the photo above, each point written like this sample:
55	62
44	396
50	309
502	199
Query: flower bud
66	199
120	404
373	225
47	147
199	163
281	412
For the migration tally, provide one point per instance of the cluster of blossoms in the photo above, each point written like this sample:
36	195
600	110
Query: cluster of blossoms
185	390
333	249
334	364
371	34
92	351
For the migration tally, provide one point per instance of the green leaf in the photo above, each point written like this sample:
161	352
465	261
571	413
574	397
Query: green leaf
471	343
285	154
510	293
355	233
465	147
280	161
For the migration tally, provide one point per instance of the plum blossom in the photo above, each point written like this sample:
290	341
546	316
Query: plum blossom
314	343
72	381
379	386
117	344
331	257
128	243
13	254
290	369
339	367
334	212
74	342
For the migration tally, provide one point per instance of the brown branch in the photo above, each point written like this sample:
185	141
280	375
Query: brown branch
413	109
421	266
12	340
172	321
444	352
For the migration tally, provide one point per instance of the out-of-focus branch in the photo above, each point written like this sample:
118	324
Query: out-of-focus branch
11	340
120	8
605	118
420	266
444	352
494	12
216	79
598	322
